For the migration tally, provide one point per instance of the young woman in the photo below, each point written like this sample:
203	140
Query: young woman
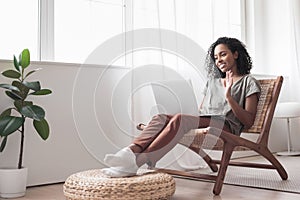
230	100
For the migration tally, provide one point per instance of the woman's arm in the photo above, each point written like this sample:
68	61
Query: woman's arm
201	103
245	115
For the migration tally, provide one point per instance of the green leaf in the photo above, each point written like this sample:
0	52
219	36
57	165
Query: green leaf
16	63
19	104
3	144
9	87
6	112
33	111
36	86
42	92
13	95
24	58
24	90
10	124
31	72
11	74
42	128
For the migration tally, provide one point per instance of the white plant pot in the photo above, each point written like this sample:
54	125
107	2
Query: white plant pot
13	182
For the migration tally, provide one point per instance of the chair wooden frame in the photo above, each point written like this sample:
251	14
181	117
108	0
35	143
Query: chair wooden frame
228	142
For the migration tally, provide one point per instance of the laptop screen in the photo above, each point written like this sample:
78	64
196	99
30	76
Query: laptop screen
175	96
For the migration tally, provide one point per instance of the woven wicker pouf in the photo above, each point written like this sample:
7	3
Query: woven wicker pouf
93	184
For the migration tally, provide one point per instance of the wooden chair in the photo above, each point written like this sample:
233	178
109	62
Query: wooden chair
200	139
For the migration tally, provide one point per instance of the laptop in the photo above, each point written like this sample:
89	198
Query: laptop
175	96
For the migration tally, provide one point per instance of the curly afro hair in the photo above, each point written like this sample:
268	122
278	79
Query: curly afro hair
244	61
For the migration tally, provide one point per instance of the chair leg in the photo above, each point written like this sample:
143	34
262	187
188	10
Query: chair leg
271	158
205	157
227	152
208	160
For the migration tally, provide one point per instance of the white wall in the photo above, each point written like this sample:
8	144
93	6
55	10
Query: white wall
76	141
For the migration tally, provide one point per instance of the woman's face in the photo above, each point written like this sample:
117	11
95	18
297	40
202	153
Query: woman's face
225	60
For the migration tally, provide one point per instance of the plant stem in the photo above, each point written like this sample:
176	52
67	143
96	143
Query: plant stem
20	163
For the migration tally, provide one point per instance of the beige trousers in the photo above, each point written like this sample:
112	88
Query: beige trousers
164	131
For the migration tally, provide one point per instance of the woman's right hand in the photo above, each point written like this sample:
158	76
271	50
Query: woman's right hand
227	82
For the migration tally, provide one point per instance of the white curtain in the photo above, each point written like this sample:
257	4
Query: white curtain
272	32
201	22
294	11
273	38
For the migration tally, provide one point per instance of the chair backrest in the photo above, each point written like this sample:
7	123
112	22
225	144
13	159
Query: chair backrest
270	89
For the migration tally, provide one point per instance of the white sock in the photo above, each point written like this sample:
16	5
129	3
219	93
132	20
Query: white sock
118	172
125	157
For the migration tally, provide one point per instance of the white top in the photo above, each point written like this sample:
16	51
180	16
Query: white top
287	110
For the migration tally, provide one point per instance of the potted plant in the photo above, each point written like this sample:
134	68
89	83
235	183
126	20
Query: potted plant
12	119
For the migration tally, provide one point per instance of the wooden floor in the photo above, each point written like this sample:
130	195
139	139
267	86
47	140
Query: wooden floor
185	190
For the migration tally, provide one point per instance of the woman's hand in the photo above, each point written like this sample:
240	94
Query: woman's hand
227	84
247	114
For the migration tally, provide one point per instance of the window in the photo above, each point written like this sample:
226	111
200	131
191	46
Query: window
69	30
19	27
203	21
85	25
